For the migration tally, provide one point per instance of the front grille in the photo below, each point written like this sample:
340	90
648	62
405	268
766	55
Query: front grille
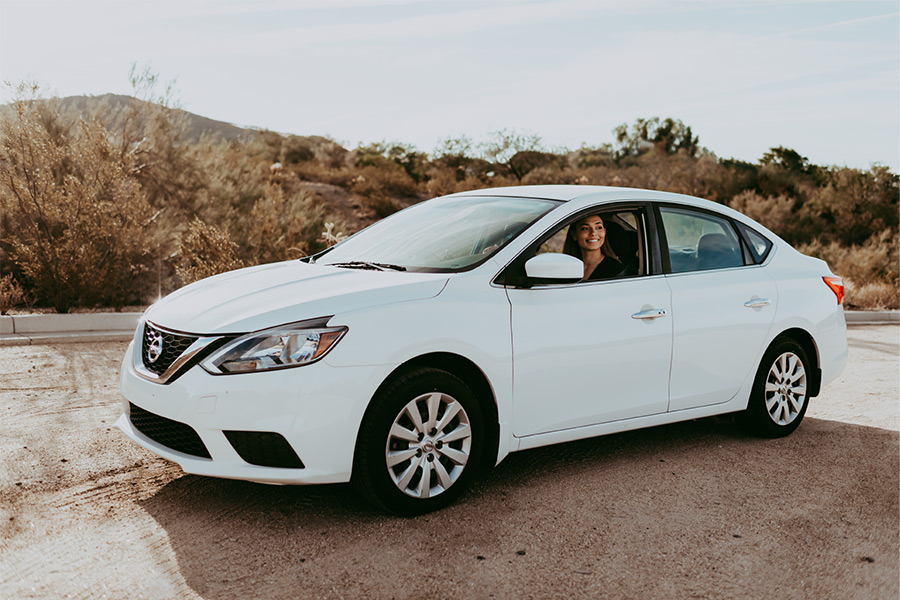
264	448
169	433
173	346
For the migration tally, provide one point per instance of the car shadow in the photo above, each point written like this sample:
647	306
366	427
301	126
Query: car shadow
703	479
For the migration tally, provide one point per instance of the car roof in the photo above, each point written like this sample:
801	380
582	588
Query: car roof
589	194
548	192
568	193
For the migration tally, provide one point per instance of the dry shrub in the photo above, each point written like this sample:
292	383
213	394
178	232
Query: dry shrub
877	260
440	183
872	296
319	173
282	226
333	234
380	204
870	271
11	294
445	181
385	180
205	251
775	213
547	175
79	220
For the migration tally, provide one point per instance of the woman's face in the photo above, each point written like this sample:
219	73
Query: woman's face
590	233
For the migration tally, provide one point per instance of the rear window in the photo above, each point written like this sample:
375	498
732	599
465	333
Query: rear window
759	245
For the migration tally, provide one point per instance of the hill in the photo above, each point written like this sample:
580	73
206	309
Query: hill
110	106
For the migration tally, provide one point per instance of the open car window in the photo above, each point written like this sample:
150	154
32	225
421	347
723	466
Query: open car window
624	235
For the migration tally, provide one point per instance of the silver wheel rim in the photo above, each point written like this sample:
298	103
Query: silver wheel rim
428	445
785	389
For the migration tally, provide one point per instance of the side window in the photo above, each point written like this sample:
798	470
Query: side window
623	247
759	245
700	241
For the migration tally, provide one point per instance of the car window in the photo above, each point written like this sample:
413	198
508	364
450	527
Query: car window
759	245
623	246
699	241
447	234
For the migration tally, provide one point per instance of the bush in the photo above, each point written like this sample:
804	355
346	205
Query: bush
872	296
11	294
775	213
313	171
79	227
281	226
205	251
870	271
386	180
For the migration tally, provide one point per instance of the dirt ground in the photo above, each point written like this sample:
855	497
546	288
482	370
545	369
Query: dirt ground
694	510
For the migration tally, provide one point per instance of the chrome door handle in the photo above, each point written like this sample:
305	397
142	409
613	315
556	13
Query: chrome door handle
757	302
653	313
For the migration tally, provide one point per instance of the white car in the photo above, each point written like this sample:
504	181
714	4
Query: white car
425	348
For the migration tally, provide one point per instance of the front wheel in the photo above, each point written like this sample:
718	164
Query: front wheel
420	443
780	394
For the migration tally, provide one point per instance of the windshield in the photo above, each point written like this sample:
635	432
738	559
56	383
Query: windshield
440	235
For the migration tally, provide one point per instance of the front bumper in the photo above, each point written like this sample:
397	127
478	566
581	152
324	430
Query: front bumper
317	408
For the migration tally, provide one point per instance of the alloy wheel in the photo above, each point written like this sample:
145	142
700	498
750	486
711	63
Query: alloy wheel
785	388
429	445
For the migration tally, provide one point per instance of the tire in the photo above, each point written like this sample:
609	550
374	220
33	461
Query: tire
780	394
420	443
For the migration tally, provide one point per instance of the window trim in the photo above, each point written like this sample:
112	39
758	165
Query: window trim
647	244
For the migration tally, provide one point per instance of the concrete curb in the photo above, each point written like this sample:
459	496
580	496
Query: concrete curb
874	317
20	330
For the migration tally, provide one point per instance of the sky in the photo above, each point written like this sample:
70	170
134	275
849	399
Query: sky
820	77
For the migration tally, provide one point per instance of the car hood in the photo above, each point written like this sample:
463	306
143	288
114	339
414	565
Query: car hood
270	295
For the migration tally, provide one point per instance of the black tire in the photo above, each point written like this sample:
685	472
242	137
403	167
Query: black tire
425	474
780	394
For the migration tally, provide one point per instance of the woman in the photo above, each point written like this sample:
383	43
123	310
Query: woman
586	239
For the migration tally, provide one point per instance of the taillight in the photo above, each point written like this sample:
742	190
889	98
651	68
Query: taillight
837	286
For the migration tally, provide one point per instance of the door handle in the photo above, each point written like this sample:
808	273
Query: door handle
757	302
653	313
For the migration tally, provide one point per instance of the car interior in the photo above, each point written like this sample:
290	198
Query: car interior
623	235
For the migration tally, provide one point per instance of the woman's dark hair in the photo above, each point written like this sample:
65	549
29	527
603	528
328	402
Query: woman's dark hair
572	248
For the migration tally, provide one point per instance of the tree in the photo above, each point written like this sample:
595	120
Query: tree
787	159
506	143
666	136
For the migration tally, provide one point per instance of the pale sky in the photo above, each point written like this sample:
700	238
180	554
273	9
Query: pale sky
821	77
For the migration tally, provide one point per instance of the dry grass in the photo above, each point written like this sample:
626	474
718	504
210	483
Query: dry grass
871	296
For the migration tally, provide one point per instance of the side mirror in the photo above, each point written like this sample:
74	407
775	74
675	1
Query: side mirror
555	266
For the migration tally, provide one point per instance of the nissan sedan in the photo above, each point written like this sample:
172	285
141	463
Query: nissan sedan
421	351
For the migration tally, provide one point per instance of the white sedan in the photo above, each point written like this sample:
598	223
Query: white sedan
425	348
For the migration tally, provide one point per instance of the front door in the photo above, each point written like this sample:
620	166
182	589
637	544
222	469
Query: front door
586	353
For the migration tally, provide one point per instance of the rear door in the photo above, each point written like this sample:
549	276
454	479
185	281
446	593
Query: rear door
723	306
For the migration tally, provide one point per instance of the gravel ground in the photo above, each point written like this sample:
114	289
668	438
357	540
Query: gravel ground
694	510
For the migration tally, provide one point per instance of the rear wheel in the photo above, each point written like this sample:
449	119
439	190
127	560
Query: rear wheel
420	443
780	394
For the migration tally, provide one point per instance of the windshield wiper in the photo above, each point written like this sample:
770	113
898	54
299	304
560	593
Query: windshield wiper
374	266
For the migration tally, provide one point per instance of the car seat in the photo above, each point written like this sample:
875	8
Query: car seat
715	251
625	244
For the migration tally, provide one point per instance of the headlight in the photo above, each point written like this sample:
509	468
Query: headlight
281	347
